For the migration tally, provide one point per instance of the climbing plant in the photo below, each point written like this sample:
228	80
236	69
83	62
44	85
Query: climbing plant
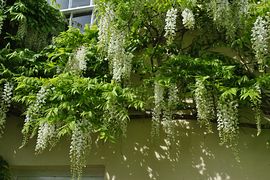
215	52
163	56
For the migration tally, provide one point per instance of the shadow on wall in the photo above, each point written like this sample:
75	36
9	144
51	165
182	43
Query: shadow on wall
187	153
190	154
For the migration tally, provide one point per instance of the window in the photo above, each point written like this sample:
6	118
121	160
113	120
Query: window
80	20
64	4
79	12
78	3
55	173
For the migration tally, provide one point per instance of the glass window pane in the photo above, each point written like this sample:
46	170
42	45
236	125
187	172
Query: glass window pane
63	3
78	3
79	21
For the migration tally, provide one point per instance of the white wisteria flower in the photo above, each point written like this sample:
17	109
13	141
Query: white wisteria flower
104	26
227	114
115	53
2	5
127	65
171	103
7	94
170	23
188	18
80	145
33	109
120	60
244	7
5	104
46	133
77	63
259	40
220	9
81	58
204	104
167	120
157	110
33	112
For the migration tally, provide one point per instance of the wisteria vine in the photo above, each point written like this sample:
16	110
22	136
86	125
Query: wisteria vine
204	104
260	35
157	110
5	104
2	16
80	146
227	118
170	24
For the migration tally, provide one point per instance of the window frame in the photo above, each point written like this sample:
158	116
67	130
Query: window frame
71	11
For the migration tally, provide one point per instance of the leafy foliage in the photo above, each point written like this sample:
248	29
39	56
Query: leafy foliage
35	21
206	48
4	169
203	54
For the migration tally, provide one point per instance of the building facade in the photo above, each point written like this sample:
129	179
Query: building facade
78	12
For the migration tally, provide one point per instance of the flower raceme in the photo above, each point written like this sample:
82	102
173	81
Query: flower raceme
5	104
204	104
170	23
260	41
188	18
157	110
46	133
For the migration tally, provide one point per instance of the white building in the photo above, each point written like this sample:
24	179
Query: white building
78	12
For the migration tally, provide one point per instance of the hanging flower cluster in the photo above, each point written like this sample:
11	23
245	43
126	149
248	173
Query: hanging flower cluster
227	114
80	56
34	109
46	133
220	9
2	16
157	111
172	102
260	41
204	104
170	24
69	104
113	42
257	108
120	60
243	7
258	118
188	18
32	113
104	28
127	65
77	64
222	16
167	118
5	104
80	145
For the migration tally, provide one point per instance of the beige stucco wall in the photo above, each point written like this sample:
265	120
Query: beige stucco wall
197	156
